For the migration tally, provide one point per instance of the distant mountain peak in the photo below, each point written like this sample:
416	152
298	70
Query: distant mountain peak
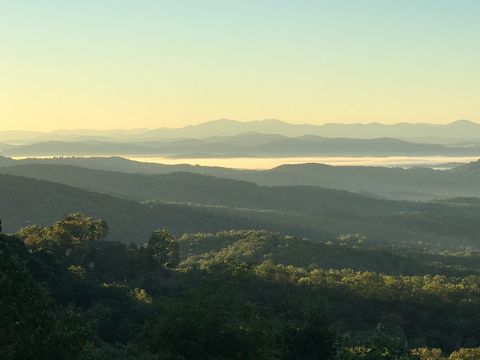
464	122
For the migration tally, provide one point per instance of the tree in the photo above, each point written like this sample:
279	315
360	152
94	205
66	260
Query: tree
306	333
73	232
163	247
32	325
428	354
378	345
207	323
465	354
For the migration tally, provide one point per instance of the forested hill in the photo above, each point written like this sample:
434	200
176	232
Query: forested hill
27	201
222	204
420	183
346	251
187	187
67	294
417	183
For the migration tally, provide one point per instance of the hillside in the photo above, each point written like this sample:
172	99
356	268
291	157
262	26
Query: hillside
253	247
417	183
299	210
257	246
411	184
27	201
67	286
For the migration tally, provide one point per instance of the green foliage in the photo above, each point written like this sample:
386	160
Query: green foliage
163	248
428	354
31	325
205	324
347	251
67	294
436	354
465	354
436	310
75	231
257	246
377	345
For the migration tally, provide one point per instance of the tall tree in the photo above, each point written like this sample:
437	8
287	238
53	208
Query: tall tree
163	247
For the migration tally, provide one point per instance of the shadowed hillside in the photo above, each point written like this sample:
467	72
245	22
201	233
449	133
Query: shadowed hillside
299	210
419	183
27	201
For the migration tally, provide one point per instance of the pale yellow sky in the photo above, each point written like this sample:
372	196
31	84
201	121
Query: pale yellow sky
154	64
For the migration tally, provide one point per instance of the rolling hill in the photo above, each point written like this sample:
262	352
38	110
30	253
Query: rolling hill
300	210
27	201
254	246
395	183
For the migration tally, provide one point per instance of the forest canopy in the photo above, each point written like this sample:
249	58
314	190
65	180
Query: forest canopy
69	294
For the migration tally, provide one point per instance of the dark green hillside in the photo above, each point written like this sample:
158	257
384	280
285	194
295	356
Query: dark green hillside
346	251
258	246
412	184
201	189
420	183
299	210
26	201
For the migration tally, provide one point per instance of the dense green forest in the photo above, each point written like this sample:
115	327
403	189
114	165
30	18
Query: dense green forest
69	294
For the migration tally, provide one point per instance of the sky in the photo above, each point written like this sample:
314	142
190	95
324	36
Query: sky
153	63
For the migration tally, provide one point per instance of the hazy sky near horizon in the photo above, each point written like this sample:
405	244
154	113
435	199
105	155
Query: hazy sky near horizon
154	63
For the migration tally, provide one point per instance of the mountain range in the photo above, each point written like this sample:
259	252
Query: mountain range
243	145
455	132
